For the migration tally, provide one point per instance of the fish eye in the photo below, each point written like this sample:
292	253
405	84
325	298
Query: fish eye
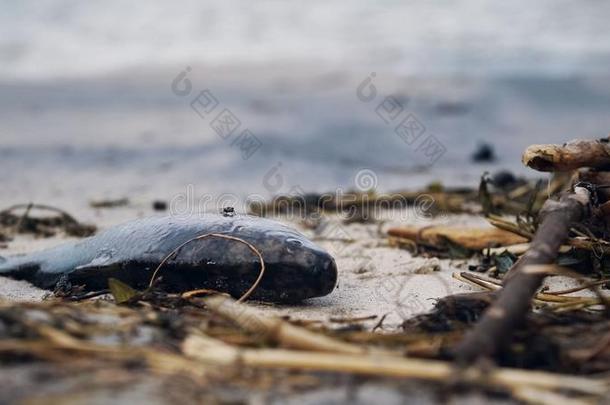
294	242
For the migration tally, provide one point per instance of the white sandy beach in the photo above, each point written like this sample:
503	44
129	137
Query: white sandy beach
375	280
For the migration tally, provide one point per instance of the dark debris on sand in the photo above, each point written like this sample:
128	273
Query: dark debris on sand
566	342
29	219
97	350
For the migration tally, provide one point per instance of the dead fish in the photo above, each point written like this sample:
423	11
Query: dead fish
295	268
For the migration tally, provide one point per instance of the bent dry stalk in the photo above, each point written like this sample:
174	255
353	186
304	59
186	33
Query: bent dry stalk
216	235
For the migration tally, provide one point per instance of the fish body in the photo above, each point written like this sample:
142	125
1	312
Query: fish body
295	268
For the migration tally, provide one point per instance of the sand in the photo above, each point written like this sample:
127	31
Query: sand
375	279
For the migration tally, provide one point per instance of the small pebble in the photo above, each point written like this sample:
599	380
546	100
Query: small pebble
430	266
484	153
159	205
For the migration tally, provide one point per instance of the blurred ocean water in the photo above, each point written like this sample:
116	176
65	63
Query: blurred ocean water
67	38
87	106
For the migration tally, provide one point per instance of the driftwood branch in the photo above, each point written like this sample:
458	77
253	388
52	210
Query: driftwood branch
572	155
513	302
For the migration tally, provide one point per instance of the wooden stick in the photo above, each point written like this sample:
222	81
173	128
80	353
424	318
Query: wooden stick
517	249
281	331
572	155
498	322
521	248
584	286
541	397
474	238
490	285
209	352
505	225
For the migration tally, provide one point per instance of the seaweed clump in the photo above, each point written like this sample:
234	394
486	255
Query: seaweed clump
26	219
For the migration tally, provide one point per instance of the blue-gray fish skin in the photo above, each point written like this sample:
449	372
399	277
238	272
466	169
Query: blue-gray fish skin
295	268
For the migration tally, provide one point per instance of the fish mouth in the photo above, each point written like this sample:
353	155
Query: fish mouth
326	275
317	280
293	284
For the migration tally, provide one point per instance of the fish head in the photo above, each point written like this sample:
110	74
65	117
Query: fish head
309	270
295	267
229	260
